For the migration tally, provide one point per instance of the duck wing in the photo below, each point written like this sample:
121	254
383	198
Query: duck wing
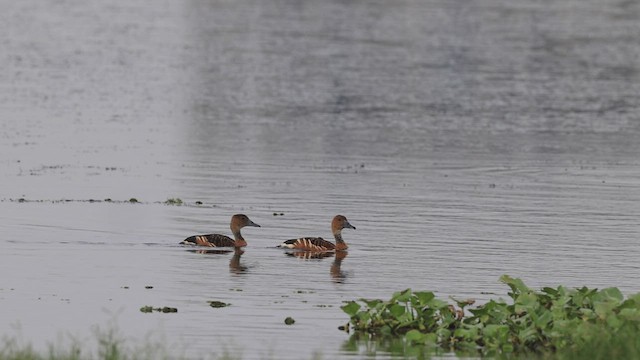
309	244
210	240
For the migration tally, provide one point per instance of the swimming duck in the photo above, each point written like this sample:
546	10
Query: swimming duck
338	223
238	221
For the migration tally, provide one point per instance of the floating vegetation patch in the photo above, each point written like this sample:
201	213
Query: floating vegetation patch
551	321
173	201
133	200
217	304
289	320
305	292
165	309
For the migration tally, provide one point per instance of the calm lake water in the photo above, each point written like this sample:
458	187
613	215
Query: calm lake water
464	140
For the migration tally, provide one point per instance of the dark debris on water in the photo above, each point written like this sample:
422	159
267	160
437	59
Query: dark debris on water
217	304
165	309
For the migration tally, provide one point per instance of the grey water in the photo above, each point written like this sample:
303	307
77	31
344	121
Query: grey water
463	139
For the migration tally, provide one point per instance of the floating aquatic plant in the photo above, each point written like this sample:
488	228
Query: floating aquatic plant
546	321
165	309
217	304
174	201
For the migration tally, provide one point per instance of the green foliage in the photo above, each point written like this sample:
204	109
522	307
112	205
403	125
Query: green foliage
557	321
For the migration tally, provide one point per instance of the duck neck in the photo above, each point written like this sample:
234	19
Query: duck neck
340	244
238	238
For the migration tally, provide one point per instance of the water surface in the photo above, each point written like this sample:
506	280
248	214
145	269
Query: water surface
464	141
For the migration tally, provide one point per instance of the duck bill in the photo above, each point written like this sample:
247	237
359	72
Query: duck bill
251	223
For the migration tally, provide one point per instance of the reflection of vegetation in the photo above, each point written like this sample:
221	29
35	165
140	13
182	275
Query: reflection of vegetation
371	345
560	321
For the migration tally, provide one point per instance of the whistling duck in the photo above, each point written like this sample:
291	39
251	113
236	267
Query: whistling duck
238	221
319	244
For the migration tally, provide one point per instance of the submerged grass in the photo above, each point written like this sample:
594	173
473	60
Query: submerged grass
110	346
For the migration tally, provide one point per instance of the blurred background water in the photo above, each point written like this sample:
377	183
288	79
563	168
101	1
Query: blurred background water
464	140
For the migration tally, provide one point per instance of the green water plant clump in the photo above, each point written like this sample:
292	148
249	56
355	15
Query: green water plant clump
550	321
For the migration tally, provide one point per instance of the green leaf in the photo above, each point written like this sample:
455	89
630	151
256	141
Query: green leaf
630	314
587	314
495	331
528	334
401	296
424	297
604	308
516	285
430	338
415	336
397	310
609	294
507	348
543	320
371	304
468	334
443	334
614	321
351	308
437	304
526	302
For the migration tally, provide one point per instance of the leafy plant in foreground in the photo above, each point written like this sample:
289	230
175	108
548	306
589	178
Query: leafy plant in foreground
547	321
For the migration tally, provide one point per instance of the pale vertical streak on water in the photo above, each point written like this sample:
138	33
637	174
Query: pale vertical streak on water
464	140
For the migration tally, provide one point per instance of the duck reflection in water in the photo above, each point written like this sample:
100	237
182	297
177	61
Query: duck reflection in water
337	275
235	266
